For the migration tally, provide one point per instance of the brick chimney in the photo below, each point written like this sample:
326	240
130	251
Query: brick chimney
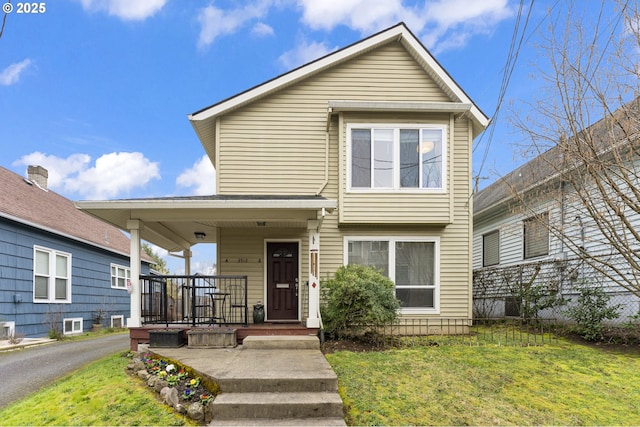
39	175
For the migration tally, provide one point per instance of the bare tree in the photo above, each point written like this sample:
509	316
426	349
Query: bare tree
4	19
584	131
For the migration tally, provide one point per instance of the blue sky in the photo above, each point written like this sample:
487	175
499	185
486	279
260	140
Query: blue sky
98	91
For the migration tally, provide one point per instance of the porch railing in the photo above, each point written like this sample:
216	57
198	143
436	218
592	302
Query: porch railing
194	300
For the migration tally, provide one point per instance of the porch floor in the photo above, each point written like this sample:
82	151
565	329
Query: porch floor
140	335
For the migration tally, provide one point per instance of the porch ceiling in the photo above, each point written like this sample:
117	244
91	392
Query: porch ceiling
171	223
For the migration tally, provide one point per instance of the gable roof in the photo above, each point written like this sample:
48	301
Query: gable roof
550	165
203	120
25	202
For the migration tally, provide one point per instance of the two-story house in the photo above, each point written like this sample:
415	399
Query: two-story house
361	156
565	219
60	269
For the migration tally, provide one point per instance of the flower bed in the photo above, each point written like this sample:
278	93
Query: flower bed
178	386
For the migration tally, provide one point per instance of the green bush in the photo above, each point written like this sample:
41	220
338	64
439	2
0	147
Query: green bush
358	297
590	310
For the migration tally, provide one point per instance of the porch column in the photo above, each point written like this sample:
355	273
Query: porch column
313	321
135	227
186	255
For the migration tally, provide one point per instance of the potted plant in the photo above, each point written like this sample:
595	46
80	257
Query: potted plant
98	317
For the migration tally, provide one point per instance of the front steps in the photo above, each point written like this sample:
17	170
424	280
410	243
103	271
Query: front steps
279	380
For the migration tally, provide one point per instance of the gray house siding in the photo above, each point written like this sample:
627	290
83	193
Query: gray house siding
90	281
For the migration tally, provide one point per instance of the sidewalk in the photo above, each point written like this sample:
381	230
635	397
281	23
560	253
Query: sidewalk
24	343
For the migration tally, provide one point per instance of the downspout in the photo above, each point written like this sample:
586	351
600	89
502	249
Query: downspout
326	153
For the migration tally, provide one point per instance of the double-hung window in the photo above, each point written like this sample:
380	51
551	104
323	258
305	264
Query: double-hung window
394	157
119	276
412	263
51	276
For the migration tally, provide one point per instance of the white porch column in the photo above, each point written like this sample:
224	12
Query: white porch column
186	254
135	227
313	321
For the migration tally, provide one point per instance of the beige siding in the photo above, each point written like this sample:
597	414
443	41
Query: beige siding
241	252
393	207
455	238
276	145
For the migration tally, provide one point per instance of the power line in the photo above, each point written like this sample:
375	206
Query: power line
506	78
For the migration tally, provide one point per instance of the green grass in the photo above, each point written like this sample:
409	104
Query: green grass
561	384
99	394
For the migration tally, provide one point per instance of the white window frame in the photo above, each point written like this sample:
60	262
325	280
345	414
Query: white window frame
74	321
127	276
9	327
52	275
117	316
392	265
396	187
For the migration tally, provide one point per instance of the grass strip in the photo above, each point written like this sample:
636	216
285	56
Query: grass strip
100	394
563	384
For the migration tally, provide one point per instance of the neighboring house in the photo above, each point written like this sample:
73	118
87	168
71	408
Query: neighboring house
59	267
361	156
534	238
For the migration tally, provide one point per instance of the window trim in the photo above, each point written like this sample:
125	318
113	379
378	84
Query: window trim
111	276
73	321
392	240
484	236
396	188
117	316
535	219
9	326
51	283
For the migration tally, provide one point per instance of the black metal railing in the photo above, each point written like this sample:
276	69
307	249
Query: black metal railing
417	331
194	300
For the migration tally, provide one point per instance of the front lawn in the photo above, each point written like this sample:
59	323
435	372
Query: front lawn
100	394
560	384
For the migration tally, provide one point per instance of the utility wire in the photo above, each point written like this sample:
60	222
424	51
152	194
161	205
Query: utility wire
506	78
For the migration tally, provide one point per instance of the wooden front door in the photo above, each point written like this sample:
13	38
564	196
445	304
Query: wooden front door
282	281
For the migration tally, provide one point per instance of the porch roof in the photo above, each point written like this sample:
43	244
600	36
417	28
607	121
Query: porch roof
172	222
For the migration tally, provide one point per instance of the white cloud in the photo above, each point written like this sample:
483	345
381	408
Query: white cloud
11	74
114	174
365	16
442	24
262	29
216	22
128	10
304	52
201	177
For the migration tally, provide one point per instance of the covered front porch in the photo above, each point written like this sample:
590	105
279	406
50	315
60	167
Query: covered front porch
197	302
268	252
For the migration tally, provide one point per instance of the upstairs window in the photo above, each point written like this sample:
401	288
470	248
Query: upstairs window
51	276
536	236
397	157
491	248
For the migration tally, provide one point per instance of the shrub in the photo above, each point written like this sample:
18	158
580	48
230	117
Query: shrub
590	310
356	298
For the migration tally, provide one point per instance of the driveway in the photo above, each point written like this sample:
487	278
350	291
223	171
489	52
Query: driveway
28	370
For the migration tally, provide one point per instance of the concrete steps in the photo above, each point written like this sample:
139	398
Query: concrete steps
279	380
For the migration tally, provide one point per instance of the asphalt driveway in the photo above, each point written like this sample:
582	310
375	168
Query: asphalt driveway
24	371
